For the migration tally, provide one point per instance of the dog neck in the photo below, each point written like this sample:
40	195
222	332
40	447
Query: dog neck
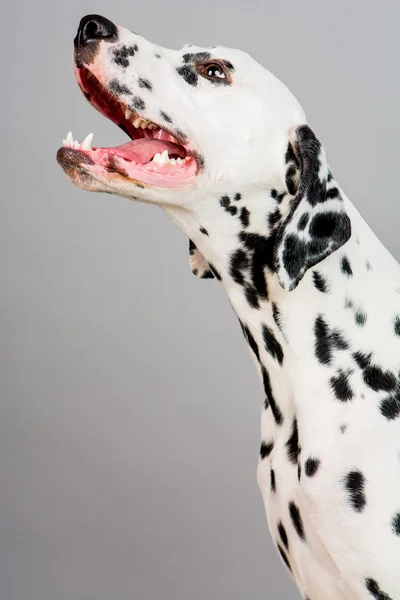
286	331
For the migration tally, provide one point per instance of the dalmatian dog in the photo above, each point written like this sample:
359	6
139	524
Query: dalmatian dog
224	148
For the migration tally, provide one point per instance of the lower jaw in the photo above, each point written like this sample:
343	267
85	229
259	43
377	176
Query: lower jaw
111	168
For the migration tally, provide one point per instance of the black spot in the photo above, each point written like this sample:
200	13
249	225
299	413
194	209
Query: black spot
262	248
320	282
290	179
238	196
203	230
145	83
298	471
266	449
245	216
323	345
390	407
396	325
311	466
272	345
360	318
225	201
276	314
341	387
355	483
326	224
121	55
332	193
208	274
290	155
292	444
368	265
283	535
374	589
297	520
251	296
294	256
396	524
251	341
273	482
196	57
378	380
166	117
179	134
238	263
338	340
274	218
188	74
117	88
327	340
284	557
276	412
305	217
157	55
138	103
215	272
345	266
343	428
192	247
363	360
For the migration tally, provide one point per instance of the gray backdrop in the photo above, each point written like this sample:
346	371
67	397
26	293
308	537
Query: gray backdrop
129	413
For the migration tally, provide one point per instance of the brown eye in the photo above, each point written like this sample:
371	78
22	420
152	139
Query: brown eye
213	71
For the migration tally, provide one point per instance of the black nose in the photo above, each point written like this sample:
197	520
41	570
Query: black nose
94	28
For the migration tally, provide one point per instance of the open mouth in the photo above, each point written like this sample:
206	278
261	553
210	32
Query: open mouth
153	156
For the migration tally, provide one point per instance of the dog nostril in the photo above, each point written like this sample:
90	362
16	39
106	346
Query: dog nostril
94	28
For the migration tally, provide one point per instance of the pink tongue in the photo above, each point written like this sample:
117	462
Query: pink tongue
143	150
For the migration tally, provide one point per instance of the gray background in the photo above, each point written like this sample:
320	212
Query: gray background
129	412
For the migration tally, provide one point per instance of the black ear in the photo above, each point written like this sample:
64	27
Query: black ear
198	264
317	224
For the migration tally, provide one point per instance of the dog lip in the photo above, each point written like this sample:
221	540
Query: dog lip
71	157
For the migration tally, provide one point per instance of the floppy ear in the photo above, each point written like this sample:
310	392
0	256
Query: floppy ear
317	224
198	264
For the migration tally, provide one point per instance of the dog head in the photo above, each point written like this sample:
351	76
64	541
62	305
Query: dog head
200	121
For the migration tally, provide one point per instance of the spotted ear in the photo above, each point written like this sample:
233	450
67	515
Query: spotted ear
198	264
317	224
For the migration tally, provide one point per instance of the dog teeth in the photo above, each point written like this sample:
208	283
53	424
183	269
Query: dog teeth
140	123
129	115
87	142
69	142
163	159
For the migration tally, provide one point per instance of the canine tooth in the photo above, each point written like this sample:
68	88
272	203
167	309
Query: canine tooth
129	114
87	142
